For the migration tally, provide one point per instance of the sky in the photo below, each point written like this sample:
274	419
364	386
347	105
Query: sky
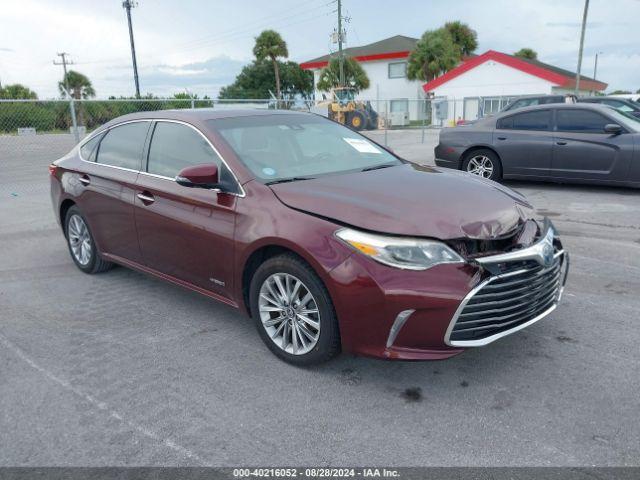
199	46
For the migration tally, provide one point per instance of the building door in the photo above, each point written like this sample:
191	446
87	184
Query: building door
471	106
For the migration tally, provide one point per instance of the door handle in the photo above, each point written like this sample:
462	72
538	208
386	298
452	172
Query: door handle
146	197
85	180
561	143
502	138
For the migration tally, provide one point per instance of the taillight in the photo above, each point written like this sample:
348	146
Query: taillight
52	169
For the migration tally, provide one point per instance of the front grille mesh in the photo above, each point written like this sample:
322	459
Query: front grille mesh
509	300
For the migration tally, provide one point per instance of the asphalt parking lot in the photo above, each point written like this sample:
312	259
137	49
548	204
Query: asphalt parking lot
123	369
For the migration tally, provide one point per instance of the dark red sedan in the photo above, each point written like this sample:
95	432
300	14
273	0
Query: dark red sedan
326	239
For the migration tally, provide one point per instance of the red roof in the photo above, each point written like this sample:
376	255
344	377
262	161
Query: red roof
558	76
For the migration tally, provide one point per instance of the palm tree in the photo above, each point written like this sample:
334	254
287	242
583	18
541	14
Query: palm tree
463	36
354	75
435	54
78	85
269	44
526	53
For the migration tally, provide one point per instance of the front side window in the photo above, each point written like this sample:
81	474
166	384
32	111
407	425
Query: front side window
122	146
175	146
537	120
285	146
584	121
398	70
619	105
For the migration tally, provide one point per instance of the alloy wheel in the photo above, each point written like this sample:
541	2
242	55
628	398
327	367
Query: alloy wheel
480	165
289	313
79	240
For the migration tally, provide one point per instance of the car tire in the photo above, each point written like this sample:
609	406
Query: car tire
289	336
82	246
483	163
357	120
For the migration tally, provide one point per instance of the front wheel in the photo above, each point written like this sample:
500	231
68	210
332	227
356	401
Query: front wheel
484	163
293	311
357	120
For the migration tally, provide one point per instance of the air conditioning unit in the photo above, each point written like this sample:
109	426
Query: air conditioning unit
399	119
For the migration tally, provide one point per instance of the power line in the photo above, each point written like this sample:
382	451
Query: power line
232	36
207	39
128	5
244	31
64	63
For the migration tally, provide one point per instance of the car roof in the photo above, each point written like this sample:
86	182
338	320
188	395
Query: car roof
199	115
605	97
547	106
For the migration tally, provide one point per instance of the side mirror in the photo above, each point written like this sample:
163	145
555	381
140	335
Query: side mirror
199	176
613	128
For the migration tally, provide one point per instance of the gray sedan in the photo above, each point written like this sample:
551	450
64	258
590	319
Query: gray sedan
580	143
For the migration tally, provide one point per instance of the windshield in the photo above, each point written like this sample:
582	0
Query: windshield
293	146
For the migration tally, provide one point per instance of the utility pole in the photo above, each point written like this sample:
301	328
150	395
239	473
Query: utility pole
64	63
595	65
584	26
128	5
340	55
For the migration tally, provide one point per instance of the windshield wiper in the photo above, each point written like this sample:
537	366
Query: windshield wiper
290	179
378	167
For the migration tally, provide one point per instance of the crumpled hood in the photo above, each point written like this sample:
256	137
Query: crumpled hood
411	200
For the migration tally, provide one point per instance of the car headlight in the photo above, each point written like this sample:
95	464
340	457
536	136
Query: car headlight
399	252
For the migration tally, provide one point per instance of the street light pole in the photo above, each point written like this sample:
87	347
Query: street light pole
128	5
584	26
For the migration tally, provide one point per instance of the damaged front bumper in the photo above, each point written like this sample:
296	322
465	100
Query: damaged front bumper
523	286
437	313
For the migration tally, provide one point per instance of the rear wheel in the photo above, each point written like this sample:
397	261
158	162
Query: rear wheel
484	163
81	243
293	311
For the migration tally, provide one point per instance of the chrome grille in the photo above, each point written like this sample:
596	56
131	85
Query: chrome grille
507	301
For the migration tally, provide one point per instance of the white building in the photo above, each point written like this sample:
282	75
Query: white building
484	84
385	63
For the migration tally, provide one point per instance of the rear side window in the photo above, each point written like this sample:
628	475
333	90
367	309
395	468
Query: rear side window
583	121
122	146
175	146
538	120
88	150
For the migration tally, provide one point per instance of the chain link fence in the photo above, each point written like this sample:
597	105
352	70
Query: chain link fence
33	133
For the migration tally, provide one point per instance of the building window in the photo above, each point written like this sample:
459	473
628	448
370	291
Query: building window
399	105
398	70
491	105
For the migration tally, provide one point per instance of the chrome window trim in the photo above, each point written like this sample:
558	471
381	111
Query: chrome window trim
242	193
101	132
